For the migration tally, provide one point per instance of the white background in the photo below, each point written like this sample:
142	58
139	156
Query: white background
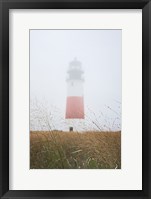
127	178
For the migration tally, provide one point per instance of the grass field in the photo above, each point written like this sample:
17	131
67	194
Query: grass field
72	150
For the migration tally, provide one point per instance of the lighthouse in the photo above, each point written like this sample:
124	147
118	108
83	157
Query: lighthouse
75	92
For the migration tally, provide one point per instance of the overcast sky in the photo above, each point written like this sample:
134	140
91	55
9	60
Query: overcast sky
99	51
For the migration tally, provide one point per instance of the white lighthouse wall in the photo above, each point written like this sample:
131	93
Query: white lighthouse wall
75	88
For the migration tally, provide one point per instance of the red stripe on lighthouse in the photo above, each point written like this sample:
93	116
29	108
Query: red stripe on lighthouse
75	107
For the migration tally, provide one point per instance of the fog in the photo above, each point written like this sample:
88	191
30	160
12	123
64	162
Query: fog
100	52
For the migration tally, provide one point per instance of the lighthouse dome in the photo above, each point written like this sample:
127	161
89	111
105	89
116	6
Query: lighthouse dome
75	65
75	71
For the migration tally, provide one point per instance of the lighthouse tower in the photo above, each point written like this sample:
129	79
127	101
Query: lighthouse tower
75	98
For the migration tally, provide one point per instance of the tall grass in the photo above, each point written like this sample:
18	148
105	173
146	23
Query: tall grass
73	150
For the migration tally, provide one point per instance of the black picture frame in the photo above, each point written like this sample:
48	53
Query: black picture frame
5	5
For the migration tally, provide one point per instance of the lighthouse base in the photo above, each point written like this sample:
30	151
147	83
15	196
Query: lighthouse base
75	125
75	107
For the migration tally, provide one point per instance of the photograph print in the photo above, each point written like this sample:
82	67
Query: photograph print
75	98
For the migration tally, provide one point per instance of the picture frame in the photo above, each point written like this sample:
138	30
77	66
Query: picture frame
5	5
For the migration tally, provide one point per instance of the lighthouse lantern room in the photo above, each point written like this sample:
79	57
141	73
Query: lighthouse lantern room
75	93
